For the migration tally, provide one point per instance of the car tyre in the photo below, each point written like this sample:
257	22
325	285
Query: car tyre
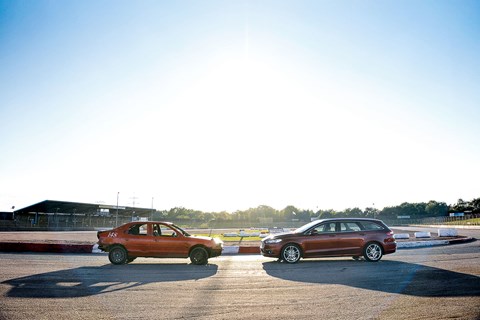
291	253
199	256
130	259
373	252
118	255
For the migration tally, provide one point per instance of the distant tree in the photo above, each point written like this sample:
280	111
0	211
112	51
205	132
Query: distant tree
465	206
159	215
475	203
324	214
414	210
304	215
460	206
353	213
436	209
289	213
223	216
371	212
253	214
387	213
209	216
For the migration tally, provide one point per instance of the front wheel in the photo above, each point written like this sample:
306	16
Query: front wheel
199	256
118	255
291	253
372	252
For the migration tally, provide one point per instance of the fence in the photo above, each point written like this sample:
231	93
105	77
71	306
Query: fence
92	222
467	220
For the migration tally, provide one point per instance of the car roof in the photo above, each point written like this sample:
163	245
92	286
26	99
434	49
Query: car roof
143	222
349	219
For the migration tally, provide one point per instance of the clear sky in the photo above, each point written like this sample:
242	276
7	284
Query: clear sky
227	105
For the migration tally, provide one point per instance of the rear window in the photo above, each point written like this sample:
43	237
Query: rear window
369	225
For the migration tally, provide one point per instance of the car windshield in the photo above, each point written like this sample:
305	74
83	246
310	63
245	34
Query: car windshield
185	233
307	226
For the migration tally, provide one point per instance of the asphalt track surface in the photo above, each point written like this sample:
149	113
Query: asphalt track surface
427	283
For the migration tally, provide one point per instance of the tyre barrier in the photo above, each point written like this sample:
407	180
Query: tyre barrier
447	232
45	247
423	235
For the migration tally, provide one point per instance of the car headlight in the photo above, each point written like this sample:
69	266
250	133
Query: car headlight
272	241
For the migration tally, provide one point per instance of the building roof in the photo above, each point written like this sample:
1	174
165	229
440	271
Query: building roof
65	207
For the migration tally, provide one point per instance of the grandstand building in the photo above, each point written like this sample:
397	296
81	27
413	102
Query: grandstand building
63	215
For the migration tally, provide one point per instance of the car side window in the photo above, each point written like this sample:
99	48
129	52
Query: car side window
349	227
368	225
138	229
330	227
324	228
166	231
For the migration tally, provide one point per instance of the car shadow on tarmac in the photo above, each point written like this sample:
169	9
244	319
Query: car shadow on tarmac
386	276
88	281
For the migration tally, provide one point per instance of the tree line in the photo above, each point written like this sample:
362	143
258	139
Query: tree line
292	213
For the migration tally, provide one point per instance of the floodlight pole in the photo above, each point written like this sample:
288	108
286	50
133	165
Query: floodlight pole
116	218
151	217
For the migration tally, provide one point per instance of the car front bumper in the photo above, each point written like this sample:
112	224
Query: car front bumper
270	250
215	252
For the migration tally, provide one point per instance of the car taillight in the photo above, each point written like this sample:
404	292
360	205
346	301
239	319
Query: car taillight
390	237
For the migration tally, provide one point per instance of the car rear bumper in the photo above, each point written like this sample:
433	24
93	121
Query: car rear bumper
389	248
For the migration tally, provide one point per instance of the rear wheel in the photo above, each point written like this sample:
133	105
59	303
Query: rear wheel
118	255
199	256
291	253
372	252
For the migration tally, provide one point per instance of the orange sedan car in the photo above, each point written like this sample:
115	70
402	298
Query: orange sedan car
334	237
156	239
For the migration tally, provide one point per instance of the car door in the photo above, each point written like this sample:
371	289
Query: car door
350	239
136	239
167	242
320	240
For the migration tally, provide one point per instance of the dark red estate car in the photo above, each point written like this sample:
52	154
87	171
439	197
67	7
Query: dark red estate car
156	239
369	238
